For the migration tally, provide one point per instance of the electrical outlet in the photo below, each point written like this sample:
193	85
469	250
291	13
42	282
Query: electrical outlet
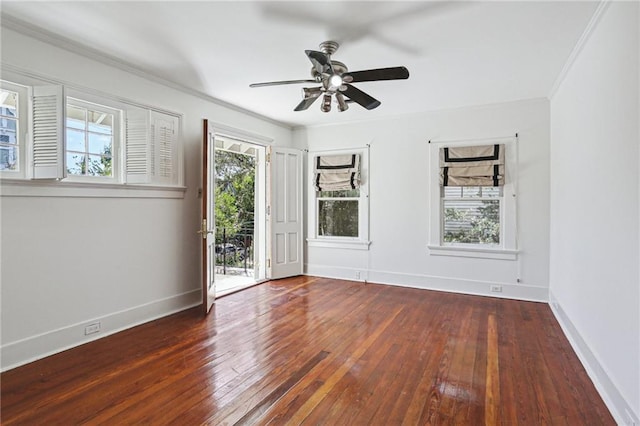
92	328
496	289
357	275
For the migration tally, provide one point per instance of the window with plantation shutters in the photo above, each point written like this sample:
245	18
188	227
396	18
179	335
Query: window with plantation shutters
164	134
47	124
152	153
92	140
138	154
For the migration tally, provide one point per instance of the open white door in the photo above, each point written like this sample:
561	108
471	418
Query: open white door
207	223
285	212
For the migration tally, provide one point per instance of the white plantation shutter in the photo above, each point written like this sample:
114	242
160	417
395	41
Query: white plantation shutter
164	148
152	147
138	154
47	129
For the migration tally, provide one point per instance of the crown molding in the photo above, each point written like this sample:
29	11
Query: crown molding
582	41
38	33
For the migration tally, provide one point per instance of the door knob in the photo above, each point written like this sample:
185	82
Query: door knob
203	230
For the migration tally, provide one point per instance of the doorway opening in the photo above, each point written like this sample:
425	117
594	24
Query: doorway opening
240	234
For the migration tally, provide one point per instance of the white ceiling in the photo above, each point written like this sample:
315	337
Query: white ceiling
458	53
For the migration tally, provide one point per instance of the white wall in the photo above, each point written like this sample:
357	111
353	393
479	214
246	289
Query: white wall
399	197
146	249
595	245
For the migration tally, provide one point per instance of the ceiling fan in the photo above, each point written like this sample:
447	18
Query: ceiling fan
336	79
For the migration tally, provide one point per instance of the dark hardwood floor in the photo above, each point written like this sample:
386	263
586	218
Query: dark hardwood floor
311	350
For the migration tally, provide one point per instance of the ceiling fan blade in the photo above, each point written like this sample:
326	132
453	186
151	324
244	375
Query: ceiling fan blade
278	83
320	61
306	102
394	73
360	97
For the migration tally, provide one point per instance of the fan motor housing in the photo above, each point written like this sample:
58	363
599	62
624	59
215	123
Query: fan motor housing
338	67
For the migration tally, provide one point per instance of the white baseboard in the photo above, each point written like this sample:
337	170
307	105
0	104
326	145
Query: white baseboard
20	352
429	282
613	399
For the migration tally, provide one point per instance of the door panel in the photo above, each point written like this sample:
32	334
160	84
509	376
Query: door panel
207	223
286	212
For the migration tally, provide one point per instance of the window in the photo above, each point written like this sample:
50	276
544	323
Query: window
87	139
9	130
339	196
473	199
92	133
471	215
13	123
338	213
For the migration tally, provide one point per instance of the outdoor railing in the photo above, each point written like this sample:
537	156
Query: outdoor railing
234	251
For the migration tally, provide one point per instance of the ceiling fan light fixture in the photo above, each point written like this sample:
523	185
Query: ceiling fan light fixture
342	104
311	92
335	81
326	103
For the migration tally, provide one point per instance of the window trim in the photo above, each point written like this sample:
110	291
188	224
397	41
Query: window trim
361	242
508	248
80	189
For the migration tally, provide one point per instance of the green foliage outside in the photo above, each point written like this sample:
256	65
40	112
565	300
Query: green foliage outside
479	229
338	213
104	167
235	190
338	218
235	204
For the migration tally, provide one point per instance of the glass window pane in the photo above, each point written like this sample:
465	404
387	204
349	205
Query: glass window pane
76	117
9	106
75	163
473	221
99	144
8	157
75	140
100	122
351	193
99	165
491	191
8	132
452	192
470	191
338	218
9	124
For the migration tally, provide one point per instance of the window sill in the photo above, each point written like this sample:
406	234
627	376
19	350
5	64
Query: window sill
54	188
476	252
335	243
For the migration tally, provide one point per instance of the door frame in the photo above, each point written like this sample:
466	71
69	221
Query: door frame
207	219
224	131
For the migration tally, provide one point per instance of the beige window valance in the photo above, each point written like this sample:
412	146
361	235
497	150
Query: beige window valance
337	172
472	165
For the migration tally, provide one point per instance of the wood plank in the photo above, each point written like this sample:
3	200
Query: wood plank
310	350
492	396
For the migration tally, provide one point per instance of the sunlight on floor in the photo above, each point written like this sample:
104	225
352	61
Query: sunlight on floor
234	279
